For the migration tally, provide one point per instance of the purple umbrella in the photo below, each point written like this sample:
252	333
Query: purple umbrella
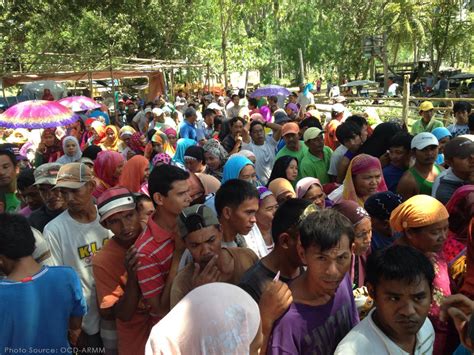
271	90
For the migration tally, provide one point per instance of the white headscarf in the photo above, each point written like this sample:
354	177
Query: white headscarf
213	319
66	159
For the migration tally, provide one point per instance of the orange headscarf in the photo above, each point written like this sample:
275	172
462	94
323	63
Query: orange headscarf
116	142
281	185
133	173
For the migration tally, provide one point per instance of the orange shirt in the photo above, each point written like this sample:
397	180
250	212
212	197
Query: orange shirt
110	279
330	138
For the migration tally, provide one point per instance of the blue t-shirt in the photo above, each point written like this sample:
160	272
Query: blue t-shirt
392	176
380	241
187	130
35	313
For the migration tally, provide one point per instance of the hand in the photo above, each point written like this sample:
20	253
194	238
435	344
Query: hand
459	308
275	300
209	274
74	335
131	262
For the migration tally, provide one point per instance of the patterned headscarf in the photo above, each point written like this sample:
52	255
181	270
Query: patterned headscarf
213	147
161	158
382	204
352	211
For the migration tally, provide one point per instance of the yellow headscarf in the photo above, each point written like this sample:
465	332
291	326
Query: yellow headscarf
160	137
418	211
116	144
281	185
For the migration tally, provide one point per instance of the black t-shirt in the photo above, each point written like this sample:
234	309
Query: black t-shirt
41	217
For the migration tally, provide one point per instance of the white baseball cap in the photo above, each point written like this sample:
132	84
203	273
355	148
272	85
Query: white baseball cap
423	140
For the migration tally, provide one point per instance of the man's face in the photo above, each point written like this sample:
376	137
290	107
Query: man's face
204	244
237	128
31	197
326	269
209	119
399	156
426	156
353	144
381	227
145	209
258	134
292	141
364	133
8	171
316	145
462	167
236	100
427	115
124	225
243	217
78	199
461	117
401	307
196	190
53	199
177	199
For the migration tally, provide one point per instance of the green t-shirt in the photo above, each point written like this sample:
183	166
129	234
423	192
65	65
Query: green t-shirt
314	167
12	202
419	126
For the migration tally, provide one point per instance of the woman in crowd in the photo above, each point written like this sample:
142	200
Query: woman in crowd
235	327
161	158
282	190
172	137
50	148
310	188
285	167
194	159
363	178
112	140
72	151
267	207
216	157
238	167
97	131
378	143
443	136
135	173
423	222
107	169
183	144
248	154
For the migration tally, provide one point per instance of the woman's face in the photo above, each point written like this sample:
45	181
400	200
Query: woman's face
366	183
292	171
316	195
48	139
248	174
157	147
429	239
212	161
363	236
193	165
118	170
266	212
110	135
172	139
71	148
146	174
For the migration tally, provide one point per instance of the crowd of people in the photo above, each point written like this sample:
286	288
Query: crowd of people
238	225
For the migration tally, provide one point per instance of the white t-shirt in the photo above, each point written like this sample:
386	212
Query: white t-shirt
41	254
336	157
256	242
265	157
74	244
305	100
366	338
392	89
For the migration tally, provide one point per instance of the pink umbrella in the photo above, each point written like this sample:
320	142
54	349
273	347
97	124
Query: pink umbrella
37	114
79	103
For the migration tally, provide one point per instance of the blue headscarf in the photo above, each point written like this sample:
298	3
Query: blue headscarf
307	89
234	166
182	145
441	132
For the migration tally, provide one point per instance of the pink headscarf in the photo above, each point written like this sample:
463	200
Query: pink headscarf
105	165
304	184
133	173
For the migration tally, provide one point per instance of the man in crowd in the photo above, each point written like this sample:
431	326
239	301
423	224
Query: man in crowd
8	171
293	147
205	127
399	151
323	309
188	128
337	115
262	146
236	205
459	154
159	247
233	107
75	236
400	281
28	192
461	111
316	160
426	123
115	266
420	177
202	235
53	202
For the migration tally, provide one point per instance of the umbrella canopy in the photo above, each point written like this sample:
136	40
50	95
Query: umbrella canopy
37	114
35	89
463	76
79	103
359	83
271	90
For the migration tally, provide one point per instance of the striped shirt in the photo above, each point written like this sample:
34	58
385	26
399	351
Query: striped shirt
155	252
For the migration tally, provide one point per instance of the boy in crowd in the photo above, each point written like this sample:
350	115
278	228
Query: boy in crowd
39	304
8	171
28	192
115	266
400	281
461	111
399	153
349	135
323	309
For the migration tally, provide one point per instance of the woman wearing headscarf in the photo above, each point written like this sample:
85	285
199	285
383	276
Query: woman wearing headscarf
50	148
135	173
172	137
183	144
112	140
194	159
378	143
361	223
248	154
108	166
310	188
216	157
72	151
423	222
98	134
216	318
282	190
267	206
47	95
160	159
363	178
238	167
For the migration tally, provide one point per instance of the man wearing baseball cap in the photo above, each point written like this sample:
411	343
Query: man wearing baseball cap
75	236
293	147
316	161
54	204
459	154
202	234
419	178
426	123
114	267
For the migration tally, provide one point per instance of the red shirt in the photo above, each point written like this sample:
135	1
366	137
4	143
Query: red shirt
155	253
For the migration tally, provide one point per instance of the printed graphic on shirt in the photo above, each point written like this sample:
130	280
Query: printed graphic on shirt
86	252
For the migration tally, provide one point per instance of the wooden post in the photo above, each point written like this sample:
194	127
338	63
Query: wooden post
208	79
406	98
300	52
113	88
246	80
172	85
89	74
385	64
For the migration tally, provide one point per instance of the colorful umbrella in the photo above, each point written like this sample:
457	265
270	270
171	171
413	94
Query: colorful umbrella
37	114
79	103
271	90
